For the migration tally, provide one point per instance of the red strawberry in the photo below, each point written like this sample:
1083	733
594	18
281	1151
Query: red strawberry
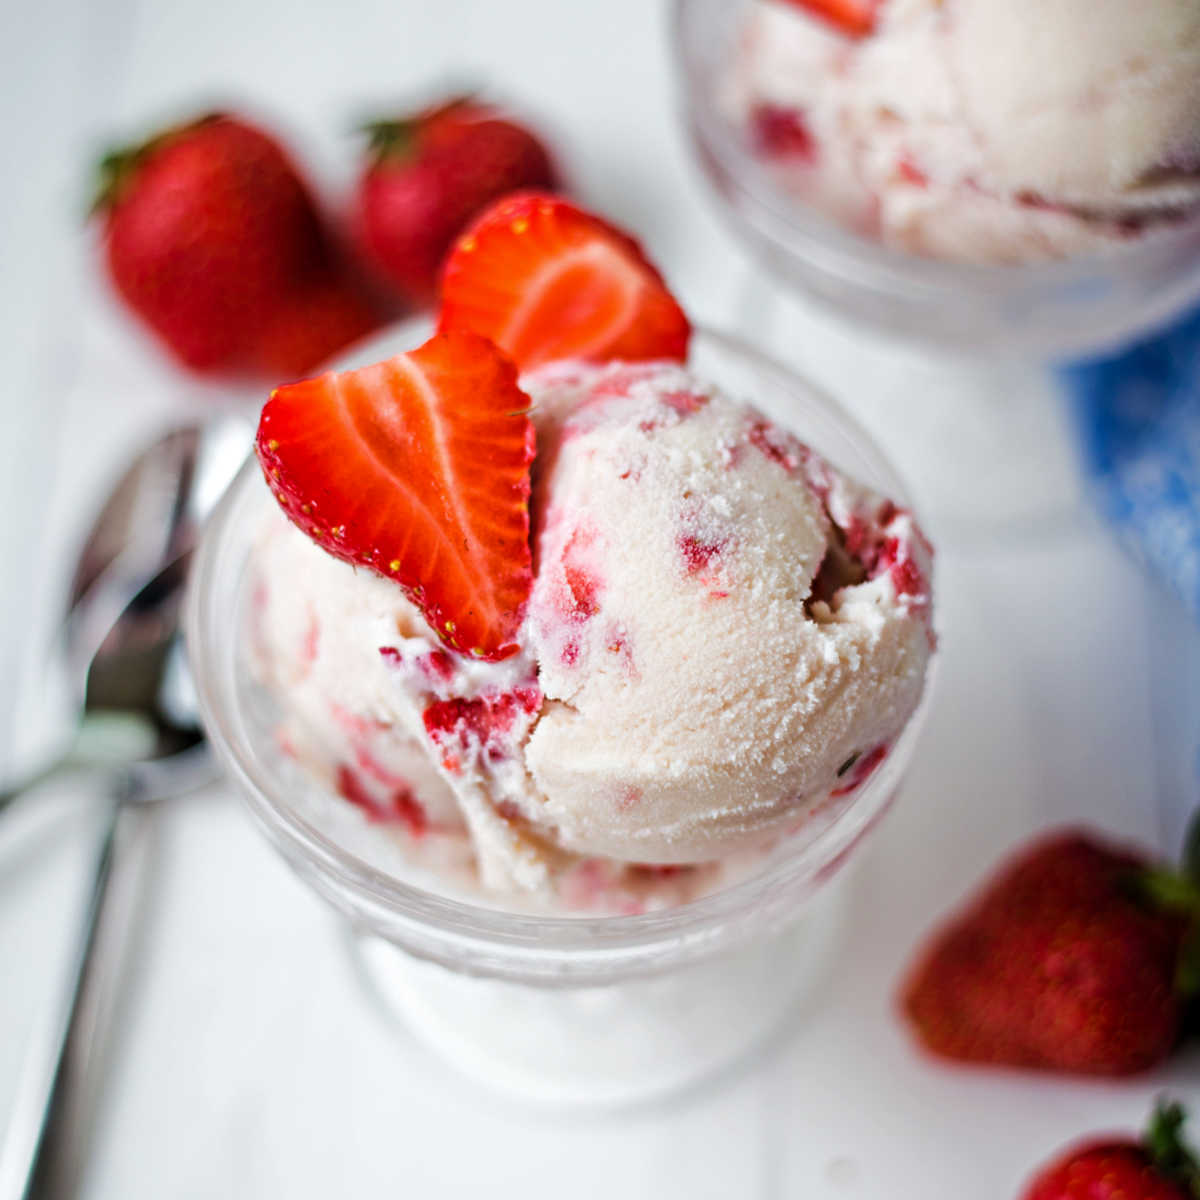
418	468
1160	1167
782	132
208	230
312	325
546	280
1070	959
428	175
855	17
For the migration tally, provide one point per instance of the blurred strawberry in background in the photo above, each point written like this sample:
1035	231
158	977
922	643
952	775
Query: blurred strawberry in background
428	174
308	328
215	241
1077	955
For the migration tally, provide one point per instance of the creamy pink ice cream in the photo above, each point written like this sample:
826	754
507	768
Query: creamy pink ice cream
724	638
997	131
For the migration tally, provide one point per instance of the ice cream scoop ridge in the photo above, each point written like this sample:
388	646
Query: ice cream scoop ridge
723	638
980	130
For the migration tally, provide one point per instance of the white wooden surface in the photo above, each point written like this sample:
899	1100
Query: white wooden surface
250	1062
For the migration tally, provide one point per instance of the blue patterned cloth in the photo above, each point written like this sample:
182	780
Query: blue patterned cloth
1138	413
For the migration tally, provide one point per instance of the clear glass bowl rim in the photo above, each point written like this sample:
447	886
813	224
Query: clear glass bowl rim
844	253
492	941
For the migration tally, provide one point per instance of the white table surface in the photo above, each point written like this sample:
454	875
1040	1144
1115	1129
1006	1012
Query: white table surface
249	1062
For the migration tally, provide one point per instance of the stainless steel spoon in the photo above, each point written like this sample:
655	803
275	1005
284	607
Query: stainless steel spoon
149	521
132	665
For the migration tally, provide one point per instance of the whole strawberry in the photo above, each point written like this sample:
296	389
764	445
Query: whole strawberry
1159	1167
428	174
1072	959
209	235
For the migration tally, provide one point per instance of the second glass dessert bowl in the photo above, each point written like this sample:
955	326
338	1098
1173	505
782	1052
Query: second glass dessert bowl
557	1008
1042	310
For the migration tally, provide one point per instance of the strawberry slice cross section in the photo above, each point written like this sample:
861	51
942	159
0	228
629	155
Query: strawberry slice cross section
417	468
546	280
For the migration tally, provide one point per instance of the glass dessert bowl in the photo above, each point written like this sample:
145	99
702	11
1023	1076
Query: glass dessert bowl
555	1006
1033	296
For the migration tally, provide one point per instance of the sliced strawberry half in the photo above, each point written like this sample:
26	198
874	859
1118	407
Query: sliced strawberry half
546	280
418	468
855	17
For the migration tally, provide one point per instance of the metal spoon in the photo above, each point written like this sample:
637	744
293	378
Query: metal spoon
135	669
149	521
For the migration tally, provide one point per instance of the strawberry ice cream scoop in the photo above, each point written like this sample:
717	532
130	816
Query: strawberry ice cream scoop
724	638
980	130
721	622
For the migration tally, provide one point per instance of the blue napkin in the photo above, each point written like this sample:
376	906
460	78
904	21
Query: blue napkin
1138	413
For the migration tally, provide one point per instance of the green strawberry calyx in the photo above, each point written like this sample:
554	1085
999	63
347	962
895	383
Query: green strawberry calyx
1177	891
396	139
1171	1155
116	169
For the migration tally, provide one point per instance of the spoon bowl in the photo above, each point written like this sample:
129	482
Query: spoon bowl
118	638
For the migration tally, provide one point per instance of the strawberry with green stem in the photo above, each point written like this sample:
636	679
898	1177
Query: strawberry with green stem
213	239
428	174
1077	956
1160	1166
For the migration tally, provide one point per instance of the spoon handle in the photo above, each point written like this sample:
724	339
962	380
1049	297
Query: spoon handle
102	739
42	1150
44	774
